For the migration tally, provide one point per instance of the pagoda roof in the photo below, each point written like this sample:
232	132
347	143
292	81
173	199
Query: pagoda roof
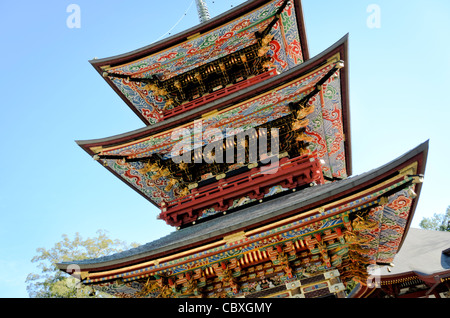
423	259
305	204
329	124
228	33
422	254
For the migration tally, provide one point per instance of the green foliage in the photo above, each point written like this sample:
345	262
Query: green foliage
53	283
439	222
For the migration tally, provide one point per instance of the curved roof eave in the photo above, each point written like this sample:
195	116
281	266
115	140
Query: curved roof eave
181	37
340	46
200	28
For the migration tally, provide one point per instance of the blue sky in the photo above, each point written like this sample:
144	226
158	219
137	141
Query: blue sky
51	96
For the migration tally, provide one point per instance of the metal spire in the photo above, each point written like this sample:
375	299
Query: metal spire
203	12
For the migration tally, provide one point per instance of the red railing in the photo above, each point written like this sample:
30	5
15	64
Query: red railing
291	173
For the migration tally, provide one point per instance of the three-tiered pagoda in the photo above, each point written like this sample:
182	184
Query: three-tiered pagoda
246	152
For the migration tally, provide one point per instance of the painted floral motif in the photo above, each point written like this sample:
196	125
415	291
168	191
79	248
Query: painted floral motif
327	129
382	242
